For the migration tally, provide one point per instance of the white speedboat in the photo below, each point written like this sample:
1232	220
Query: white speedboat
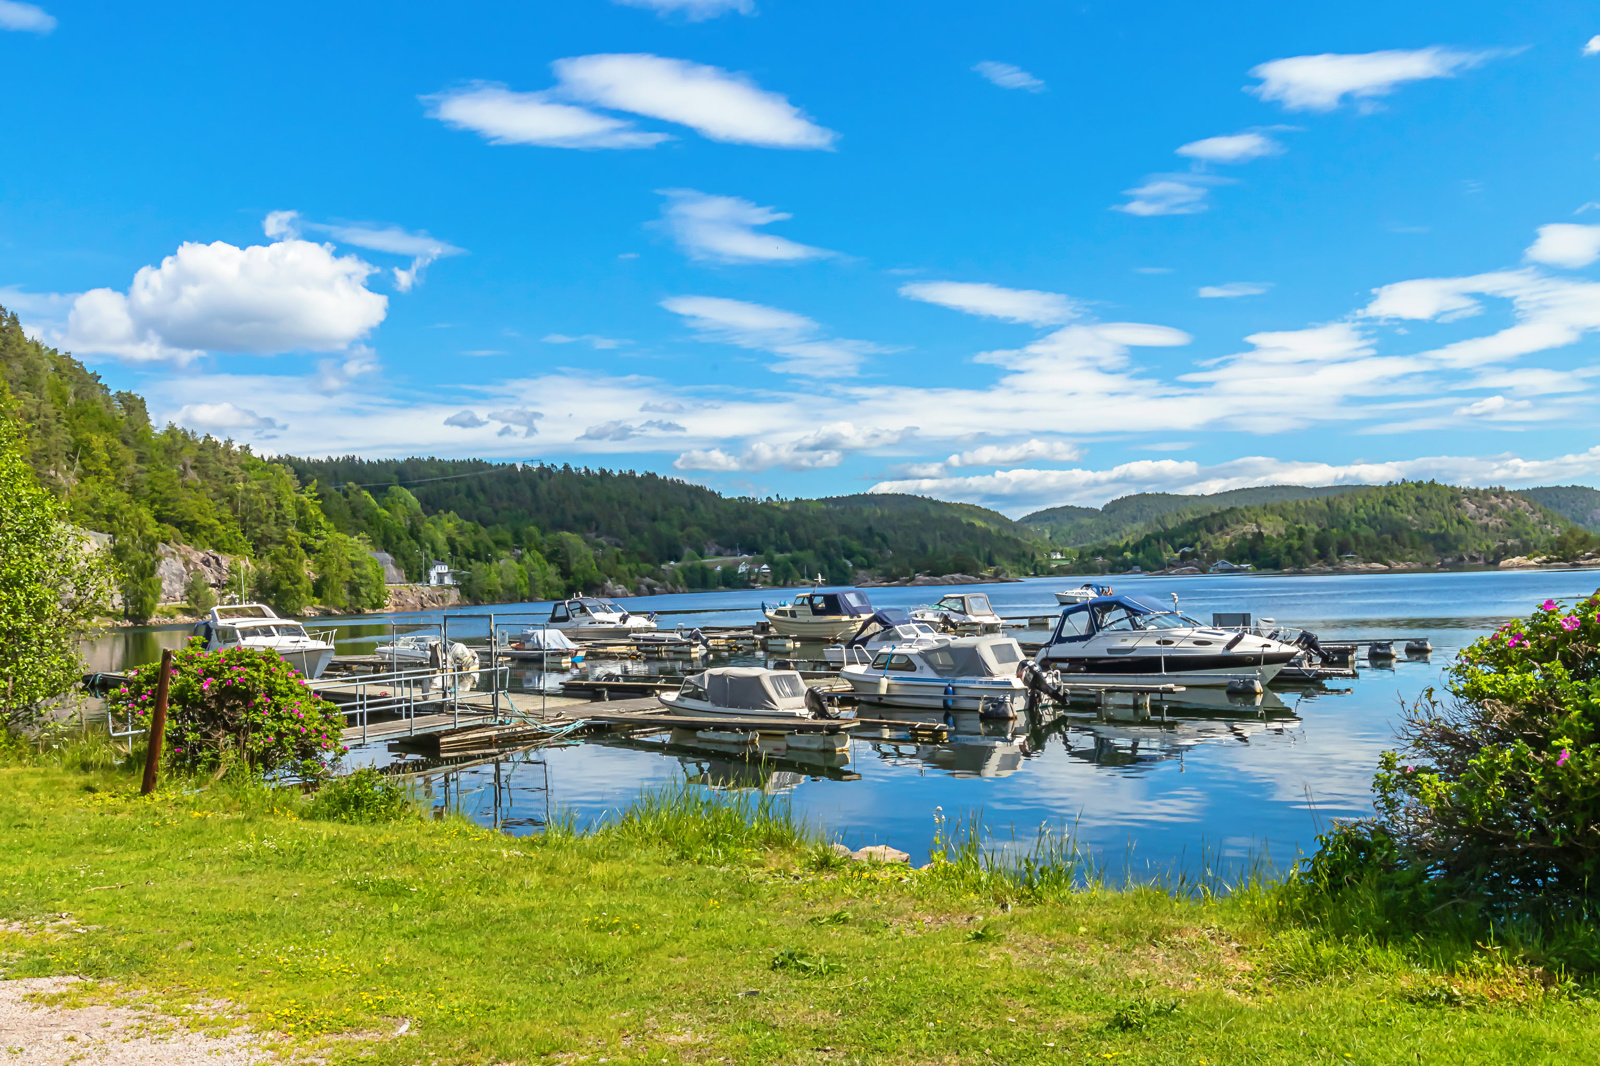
1138	640
959	674
255	625
888	626
586	618
1082	594
408	649
553	642
740	692
820	615
966	612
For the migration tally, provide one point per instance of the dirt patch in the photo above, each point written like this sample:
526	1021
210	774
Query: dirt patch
32	1034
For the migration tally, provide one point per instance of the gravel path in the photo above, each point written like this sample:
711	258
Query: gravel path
33	1035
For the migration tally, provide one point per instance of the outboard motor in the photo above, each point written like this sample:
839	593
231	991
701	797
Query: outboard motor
1308	640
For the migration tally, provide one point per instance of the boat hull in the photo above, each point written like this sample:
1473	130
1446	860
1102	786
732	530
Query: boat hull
310	661
1068	599
702	709
966	694
1218	676
605	632
826	627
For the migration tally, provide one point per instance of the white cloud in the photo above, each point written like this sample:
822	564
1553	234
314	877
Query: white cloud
825	448
1018	491
524	418
720	105
501	116
1009	77
465	419
722	229
422	248
26	18
1026	306
336	374
593	340
693	10
1548	312
1566	244
795	339
1233	289
619	430
260	299
1322	82
1169	194
1232	148
223	418
1028	450
1592	46
1493	407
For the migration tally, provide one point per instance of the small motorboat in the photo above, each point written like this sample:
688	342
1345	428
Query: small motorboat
740	692
587	618
887	626
553	643
255	625
958	674
1137	640
408	648
820	615
960	612
1082	594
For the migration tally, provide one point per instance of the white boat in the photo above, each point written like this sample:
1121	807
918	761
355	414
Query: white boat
888	626
255	625
407	649
1082	594
820	615
959	674
553	642
966	612
586	618
740	692
423	651
1138	640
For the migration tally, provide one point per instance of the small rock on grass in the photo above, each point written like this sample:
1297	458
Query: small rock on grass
880	853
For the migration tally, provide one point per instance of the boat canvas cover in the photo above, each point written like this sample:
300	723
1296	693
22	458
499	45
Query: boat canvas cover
754	689
884	618
977	657
841	603
548	640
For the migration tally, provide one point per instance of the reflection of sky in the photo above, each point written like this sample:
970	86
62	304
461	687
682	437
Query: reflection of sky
1261	787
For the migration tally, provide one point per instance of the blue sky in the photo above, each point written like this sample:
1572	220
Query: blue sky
1016	254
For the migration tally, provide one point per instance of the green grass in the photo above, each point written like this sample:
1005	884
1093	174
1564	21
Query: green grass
643	941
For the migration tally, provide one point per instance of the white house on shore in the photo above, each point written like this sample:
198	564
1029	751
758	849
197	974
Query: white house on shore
441	574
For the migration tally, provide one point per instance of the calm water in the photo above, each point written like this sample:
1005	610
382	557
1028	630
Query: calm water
1148	796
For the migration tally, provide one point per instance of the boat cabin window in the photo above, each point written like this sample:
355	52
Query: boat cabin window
692	689
787	686
227	635
1118	619
919	630
979	604
558	613
1168	620
951	602
1005	654
889	661
1074	624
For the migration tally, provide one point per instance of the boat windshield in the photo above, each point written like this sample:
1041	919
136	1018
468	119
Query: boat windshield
1123	619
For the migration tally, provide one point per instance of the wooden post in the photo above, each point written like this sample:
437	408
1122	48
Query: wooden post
158	726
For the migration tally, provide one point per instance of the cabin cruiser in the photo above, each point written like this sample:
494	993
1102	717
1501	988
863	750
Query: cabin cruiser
740	692
958	611
956	674
1137	640
255	625
820	615
586	618
1082	594
887	626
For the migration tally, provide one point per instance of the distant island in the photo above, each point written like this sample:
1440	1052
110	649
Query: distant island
187	517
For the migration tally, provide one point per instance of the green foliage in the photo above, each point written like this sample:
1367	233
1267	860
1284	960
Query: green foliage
1414	521
366	590
53	583
197	592
282	581
1572	544
1578	504
133	551
1129	516
364	797
236	704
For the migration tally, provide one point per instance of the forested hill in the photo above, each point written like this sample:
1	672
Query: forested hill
302	530
1420	522
1578	504
1129	516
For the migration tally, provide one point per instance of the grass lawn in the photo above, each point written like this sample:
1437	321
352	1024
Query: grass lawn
687	932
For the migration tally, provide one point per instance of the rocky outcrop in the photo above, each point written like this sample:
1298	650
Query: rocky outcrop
178	561
422	597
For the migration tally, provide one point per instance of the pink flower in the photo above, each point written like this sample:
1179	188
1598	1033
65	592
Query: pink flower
1571	622
1548	605
1565	755
1515	640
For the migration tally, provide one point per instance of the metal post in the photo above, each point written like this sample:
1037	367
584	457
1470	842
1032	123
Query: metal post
494	669
158	726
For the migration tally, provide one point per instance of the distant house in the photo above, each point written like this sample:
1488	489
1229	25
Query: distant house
440	574
744	568
1222	566
1056	555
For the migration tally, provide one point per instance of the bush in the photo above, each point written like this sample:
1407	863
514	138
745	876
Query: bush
197	592
236	703
364	797
1493	801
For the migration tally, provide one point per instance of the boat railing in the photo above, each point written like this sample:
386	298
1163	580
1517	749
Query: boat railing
857	656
